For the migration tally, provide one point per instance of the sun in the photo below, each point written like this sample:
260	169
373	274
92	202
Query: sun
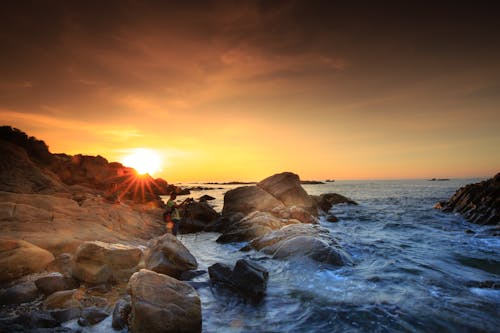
143	160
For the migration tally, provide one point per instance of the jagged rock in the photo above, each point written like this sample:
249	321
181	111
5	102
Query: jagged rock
196	216
20	293
98	262
19	258
167	255
121	313
247	278
91	316
286	188
55	282
162	304
479	203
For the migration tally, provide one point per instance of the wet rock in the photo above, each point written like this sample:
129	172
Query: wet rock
196	217
63	305
478	203
121	313
167	255
98	262
19	258
247	278
325	201
91	316
33	322
332	218
286	188
162	304
20	293
55	282
189	275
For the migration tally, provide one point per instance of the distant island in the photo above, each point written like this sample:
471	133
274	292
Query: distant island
303	182
438	179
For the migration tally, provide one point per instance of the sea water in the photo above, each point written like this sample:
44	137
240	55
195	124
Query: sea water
416	269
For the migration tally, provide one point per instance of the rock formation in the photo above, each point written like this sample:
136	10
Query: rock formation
479	203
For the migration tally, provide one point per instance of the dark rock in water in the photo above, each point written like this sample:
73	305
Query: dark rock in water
63	305
183	191
162	304
92	316
206	197
479	203
484	284
20	293
56	282
28	322
197	216
121	312
332	218
191	274
63	315
327	200
167	255
247	278
248	199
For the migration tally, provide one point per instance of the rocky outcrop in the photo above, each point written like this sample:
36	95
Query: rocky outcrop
167	255
19	258
479	203
247	199
98	262
325	201
162	304
196	216
246	278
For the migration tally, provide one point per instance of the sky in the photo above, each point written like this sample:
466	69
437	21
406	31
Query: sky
240	90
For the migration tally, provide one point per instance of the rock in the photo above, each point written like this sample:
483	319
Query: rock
478	203
248	199
254	225
247	278
98	262
205	197
325	201
55	282
19	258
302	240
20	293
189	275
162	304
91	316
332	218
167	255
61	264
196	217
286	188
28	322
62	300
121	313
296	213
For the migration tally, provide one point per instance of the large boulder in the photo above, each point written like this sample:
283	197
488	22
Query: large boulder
246	278
162	304
197	216
167	255
20	293
55	282
286	188
63	305
19	258
479	203
302	240
248	199
98	262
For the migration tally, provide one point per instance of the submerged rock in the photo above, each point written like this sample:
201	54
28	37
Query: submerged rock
247	278
167	255
479	203
19	258
162	304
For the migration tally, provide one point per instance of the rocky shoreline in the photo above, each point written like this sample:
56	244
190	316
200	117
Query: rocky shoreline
83	239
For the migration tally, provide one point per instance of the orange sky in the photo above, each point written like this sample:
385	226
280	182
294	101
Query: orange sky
237	92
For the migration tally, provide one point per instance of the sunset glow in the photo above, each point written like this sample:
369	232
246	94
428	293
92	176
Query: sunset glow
238	92
144	161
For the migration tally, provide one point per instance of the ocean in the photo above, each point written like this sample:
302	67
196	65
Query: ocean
416	269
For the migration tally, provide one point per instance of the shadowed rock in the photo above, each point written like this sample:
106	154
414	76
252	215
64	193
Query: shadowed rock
121	313
479	203
197	216
20	293
55	282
